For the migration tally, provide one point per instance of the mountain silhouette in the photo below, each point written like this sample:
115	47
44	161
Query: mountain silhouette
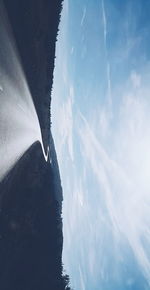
31	238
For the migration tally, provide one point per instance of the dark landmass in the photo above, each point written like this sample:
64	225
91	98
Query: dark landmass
31	237
35	27
30	226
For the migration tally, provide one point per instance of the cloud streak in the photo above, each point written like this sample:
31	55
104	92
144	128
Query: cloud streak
83	16
104	157
123	171
105	32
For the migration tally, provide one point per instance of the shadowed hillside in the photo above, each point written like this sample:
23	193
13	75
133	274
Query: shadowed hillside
30	226
31	237
35	27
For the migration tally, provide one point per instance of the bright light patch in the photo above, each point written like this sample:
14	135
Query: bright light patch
19	125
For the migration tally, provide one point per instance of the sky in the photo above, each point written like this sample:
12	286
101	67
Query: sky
101	129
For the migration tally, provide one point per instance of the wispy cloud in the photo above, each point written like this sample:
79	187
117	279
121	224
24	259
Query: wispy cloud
105	31
122	171
65	127
83	16
135	79
62	118
104	158
81	279
104	22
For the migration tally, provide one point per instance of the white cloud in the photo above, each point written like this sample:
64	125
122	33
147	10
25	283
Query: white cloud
65	127
104	120
66	8
105	31
72	50
104	22
115	152
122	171
130	282
135	79
81	279
83	16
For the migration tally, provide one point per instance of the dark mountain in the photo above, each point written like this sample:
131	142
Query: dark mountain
35	28
31	237
30	226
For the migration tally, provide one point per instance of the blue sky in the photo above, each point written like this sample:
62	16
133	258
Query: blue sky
101	129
